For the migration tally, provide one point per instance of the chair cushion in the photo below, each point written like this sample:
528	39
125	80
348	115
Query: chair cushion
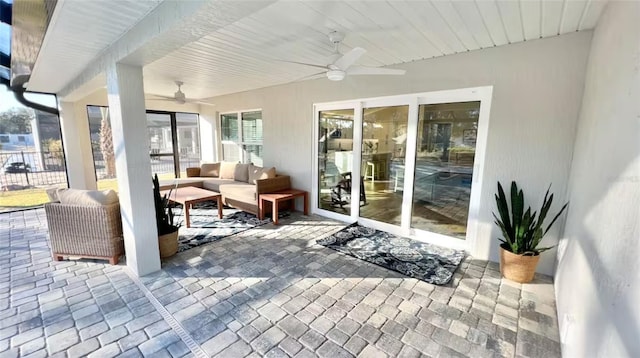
210	170
52	194
227	170
241	173
87	197
257	173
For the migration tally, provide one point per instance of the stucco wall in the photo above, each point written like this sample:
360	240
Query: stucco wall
536	98
598	277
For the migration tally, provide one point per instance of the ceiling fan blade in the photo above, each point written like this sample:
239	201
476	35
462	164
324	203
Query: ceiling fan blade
305	64
363	70
349	58
311	77
168	99
197	101
159	97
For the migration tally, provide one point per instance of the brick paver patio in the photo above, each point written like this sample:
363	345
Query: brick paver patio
269	291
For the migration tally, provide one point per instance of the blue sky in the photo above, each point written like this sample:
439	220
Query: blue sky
8	100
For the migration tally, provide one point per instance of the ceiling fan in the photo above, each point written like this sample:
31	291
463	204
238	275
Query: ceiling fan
344	64
178	97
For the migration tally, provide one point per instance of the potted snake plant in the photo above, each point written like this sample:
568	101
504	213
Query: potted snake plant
522	232
165	221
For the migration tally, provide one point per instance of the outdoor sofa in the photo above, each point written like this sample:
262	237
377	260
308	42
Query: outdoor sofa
239	184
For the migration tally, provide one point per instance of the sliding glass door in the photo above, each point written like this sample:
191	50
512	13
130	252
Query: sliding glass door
404	164
443	172
335	160
161	143
384	135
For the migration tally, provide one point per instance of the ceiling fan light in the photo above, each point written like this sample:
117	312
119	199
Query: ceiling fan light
336	75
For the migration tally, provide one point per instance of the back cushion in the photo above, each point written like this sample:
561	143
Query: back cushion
256	173
52	193
87	197
241	173
210	170
227	170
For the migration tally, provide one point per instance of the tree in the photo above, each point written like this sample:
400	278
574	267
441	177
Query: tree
106	143
16	120
54	147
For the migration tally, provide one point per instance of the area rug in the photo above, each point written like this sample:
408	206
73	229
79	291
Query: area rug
206	227
426	262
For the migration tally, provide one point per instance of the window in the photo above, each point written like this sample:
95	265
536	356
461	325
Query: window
4	139
174	141
241	136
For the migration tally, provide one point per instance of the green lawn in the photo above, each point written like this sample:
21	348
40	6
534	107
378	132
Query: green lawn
23	199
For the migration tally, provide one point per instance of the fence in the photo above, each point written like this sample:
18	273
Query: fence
159	165
29	169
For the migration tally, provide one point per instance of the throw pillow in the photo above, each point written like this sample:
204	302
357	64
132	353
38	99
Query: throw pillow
87	197
227	170
257	173
242	173
210	170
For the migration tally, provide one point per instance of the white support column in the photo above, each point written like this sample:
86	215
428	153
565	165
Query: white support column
131	145
77	148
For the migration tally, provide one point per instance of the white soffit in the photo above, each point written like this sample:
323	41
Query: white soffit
78	33
241	56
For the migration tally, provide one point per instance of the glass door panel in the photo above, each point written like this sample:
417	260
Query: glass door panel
161	144
188	141
335	160
384	138
445	153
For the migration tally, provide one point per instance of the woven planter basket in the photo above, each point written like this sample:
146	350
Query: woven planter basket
518	268
168	244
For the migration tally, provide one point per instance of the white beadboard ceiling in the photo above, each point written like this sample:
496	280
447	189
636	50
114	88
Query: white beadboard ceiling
79	31
244	55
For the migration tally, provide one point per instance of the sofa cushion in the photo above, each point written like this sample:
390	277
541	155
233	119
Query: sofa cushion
214	183
210	170
227	170
257	173
239	191
87	197
241	173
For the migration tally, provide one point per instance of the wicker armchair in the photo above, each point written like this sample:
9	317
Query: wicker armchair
85	231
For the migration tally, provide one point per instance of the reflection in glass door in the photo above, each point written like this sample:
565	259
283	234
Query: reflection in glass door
445	152
335	160
188	136
384	138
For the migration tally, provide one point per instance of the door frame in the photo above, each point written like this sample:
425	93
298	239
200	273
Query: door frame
480	94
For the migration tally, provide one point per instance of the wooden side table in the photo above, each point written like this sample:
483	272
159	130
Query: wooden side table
277	197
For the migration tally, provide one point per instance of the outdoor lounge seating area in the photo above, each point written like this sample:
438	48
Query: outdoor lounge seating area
316	178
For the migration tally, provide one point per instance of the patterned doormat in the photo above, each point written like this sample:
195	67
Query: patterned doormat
426	262
206	227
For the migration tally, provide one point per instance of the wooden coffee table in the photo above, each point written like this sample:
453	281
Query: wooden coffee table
277	197
190	195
